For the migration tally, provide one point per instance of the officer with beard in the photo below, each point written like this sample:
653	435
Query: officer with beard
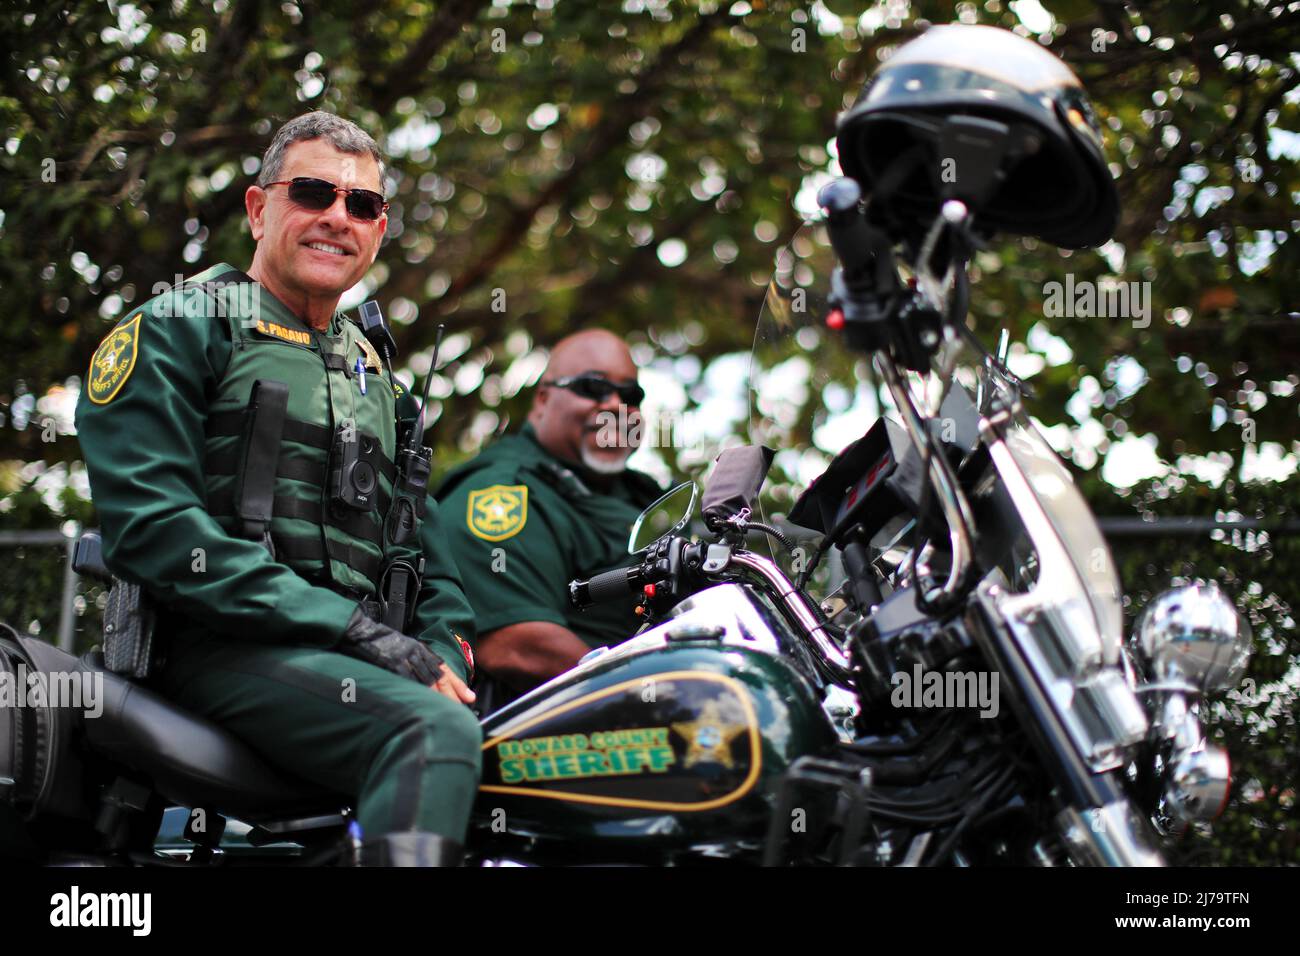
552	502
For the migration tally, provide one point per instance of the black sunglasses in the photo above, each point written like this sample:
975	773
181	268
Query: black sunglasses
317	195
598	388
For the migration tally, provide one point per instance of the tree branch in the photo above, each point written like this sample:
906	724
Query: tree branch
413	68
608	133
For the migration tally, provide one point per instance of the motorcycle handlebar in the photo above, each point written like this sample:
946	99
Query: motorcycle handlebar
848	231
606	586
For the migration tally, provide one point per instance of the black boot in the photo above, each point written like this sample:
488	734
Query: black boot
412	848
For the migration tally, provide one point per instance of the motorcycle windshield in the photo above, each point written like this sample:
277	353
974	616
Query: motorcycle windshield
810	396
798	380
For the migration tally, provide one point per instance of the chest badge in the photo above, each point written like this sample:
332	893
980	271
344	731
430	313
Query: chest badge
114	361
498	511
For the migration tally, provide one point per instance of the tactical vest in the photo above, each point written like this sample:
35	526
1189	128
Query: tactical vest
310	532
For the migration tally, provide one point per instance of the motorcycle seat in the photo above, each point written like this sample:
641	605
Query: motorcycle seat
192	761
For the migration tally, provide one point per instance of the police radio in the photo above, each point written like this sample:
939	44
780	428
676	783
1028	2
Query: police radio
399	580
414	460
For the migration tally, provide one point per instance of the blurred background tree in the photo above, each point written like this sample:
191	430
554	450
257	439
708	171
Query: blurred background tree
636	166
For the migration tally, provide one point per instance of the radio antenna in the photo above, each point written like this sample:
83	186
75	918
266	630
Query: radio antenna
417	431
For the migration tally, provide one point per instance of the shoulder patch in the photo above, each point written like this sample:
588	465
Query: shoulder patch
114	361
283	332
497	512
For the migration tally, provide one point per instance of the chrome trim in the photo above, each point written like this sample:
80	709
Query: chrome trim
1197	783
841	708
1055	625
796	603
1194	634
916	849
1098	710
730	606
1087	646
746	623
1178	723
1176	686
1113	835
1197	774
1109	709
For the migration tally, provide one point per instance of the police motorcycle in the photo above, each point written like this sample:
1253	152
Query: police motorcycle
748	722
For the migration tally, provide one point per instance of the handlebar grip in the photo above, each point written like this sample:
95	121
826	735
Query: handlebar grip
606	586
857	245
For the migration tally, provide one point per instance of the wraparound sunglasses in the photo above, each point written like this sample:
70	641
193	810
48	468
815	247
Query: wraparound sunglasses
318	195
597	388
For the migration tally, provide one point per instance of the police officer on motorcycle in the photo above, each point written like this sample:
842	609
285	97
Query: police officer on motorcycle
553	502
241	436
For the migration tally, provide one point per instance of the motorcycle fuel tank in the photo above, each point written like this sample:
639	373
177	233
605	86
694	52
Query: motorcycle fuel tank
680	735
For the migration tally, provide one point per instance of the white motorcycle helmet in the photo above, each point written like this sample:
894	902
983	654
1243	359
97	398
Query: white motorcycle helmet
1053	182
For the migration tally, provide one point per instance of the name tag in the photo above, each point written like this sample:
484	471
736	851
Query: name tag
284	333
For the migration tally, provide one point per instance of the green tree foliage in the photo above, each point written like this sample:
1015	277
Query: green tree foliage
636	166
544	153
1257	722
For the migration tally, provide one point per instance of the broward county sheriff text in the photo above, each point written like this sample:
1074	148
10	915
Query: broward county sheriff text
599	754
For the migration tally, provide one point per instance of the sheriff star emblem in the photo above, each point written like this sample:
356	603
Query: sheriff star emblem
709	737
497	512
113	362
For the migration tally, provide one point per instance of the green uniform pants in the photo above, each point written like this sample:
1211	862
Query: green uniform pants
409	755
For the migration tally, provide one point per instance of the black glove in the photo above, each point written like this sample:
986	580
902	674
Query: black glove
392	650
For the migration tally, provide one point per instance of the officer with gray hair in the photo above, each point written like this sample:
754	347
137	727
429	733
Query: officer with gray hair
240	436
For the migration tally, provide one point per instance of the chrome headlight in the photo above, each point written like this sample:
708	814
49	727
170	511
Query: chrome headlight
1194	634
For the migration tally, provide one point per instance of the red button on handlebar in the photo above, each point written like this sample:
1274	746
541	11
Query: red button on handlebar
648	590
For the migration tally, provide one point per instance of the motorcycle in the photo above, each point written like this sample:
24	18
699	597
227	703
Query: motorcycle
857	730
747	722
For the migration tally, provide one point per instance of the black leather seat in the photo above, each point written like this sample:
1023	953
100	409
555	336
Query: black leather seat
192	761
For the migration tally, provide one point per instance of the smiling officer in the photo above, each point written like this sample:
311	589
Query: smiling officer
555	501
240	438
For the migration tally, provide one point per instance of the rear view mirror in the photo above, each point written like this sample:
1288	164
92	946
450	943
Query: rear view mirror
667	516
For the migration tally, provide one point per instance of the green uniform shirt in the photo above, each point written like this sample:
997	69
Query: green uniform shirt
141	422
522	524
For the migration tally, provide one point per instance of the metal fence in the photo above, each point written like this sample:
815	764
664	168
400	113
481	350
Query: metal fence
36	564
